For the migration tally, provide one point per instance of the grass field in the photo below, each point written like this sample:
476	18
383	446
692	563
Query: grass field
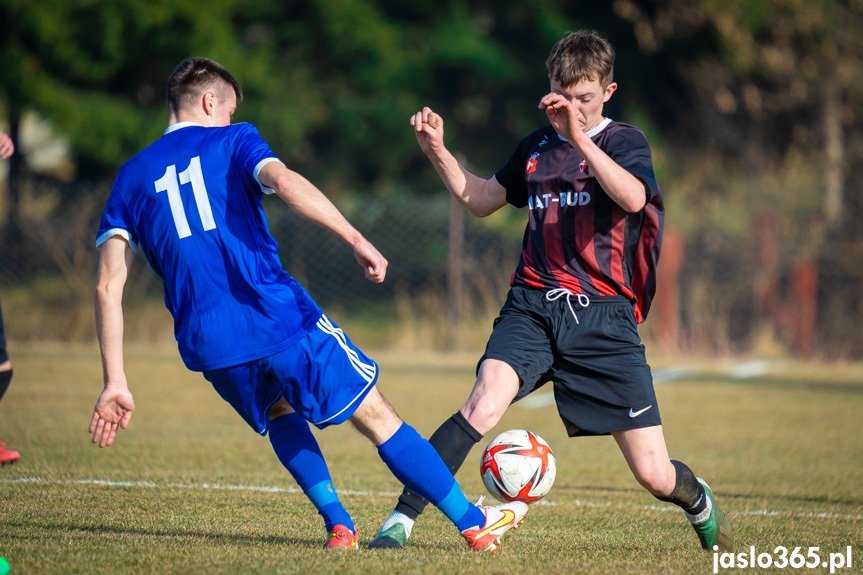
189	488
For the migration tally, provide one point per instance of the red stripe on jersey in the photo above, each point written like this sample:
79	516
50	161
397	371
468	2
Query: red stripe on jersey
528	270
531	278
552	239
639	317
569	282
627	292
576	237
585	246
647	257
585	233
618	227
604	288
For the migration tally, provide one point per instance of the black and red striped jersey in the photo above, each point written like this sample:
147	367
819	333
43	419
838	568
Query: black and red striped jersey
577	237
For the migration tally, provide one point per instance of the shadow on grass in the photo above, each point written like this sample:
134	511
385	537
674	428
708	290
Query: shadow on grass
62	531
197	535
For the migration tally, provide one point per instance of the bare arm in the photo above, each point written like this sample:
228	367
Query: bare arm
115	404
625	189
312	205
6	145
480	197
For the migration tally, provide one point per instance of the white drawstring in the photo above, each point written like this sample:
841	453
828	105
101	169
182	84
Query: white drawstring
557	293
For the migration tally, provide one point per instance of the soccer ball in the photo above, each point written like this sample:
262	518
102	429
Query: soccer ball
518	465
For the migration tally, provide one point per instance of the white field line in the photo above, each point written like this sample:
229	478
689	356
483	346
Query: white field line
297	490
769	513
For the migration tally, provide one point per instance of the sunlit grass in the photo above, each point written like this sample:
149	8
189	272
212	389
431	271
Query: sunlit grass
197	491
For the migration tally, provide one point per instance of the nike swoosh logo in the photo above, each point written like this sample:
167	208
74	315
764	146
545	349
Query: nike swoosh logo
634	414
508	516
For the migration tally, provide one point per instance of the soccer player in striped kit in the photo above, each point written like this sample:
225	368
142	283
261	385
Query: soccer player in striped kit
585	280
192	203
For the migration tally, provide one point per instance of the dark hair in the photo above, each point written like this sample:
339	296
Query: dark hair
581	55
194	76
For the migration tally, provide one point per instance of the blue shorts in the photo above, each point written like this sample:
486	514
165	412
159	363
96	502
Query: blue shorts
323	376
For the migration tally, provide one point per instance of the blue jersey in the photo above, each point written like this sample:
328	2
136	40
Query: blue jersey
193	203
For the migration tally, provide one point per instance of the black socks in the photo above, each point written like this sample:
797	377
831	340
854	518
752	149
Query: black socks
688	492
454	439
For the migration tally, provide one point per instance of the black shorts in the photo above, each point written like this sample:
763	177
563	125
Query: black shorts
602	382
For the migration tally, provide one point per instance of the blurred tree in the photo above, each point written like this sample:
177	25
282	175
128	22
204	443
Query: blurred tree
769	91
331	83
334	80
759	96
97	69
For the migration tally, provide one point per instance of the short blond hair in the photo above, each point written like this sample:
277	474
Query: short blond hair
581	55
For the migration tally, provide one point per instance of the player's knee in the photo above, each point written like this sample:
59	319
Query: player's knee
484	414
280	408
656	480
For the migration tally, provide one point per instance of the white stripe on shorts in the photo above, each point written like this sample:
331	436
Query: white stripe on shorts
367	371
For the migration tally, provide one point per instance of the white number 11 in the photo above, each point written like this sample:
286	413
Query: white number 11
191	175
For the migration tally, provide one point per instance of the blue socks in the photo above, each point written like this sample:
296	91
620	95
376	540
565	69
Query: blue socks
418	466
297	449
411	459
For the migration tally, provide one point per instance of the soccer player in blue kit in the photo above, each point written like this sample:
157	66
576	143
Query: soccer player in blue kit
192	203
585	279
7	147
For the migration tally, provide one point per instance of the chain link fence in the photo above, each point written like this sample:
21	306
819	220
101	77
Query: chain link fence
48	267
717	293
